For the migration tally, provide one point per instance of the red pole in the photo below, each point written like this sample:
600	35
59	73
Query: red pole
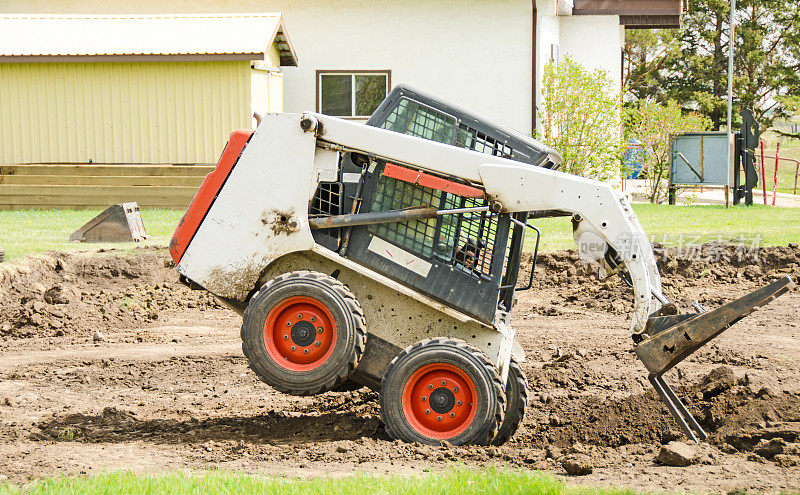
775	179
763	175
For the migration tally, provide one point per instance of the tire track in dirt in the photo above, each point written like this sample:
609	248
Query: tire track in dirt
146	352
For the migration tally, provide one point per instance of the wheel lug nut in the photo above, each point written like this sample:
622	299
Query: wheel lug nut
305	350
313	318
459	403
288	323
316	343
430	387
424	398
455	389
300	316
285	337
427	411
444	383
452	415
294	348
319	329
438	418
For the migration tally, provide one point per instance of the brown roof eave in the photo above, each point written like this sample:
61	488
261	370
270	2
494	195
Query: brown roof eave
650	21
285	49
628	7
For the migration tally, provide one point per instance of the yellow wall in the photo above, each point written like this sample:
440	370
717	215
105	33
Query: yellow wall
121	112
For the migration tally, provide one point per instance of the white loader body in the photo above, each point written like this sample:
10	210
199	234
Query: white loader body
262	208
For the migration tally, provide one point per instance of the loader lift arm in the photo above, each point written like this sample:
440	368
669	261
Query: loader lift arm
515	187
599	214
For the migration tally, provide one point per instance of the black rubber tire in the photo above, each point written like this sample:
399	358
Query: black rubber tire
517	402
2	255
472	361
351	333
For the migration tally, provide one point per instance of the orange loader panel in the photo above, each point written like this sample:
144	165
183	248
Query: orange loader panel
207	193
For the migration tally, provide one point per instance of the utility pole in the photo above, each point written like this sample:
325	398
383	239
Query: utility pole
731	29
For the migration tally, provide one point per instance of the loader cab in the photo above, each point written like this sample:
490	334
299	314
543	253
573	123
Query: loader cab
414	112
469	260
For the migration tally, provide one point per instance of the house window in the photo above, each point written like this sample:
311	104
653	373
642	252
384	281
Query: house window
351	93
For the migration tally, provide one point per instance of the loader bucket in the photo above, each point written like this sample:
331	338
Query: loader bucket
673	338
117	223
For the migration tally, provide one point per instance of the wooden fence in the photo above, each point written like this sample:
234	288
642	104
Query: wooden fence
95	186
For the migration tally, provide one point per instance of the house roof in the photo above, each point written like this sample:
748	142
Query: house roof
33	37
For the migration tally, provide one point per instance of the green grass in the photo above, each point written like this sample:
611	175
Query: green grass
452	481
673	225
31	231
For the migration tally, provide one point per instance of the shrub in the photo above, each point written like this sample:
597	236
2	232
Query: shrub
654	125
580	115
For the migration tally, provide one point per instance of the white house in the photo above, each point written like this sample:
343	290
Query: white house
487	55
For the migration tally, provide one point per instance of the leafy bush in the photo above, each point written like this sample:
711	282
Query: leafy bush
654	125
580	116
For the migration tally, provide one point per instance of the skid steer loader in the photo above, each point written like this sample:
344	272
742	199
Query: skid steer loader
388	255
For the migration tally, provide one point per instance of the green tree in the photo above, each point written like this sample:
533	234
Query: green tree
766	59
644	60
580	114
654	125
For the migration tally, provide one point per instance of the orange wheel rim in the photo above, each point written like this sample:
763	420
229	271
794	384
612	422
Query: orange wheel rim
300	333
439	401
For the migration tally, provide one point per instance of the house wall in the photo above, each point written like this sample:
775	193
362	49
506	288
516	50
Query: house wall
595	42
121	112
475	53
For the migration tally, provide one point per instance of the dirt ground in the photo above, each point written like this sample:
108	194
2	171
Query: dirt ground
106	362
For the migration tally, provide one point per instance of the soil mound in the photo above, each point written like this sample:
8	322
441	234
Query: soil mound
730	411
58	294
713	263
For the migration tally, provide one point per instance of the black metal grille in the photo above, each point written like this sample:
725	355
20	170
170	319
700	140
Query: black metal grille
417	236
327	201
415	119
466	241
468	137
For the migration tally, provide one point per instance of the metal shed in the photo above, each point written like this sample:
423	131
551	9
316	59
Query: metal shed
135	89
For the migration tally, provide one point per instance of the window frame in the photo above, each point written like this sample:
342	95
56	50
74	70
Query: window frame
352	73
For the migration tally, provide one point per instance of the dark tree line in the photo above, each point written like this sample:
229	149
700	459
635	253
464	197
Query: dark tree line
689	65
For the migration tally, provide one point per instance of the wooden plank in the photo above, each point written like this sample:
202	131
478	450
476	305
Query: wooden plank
104	201
88	206
101	180
107	170
15	190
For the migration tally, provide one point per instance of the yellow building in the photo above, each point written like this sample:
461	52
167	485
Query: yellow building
135	88
103	109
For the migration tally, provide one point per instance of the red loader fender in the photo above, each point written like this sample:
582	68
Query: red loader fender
207	193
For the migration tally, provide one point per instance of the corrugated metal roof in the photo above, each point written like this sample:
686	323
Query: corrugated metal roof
71	35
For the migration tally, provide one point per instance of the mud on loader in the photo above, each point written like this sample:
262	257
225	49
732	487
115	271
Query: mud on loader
388	255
